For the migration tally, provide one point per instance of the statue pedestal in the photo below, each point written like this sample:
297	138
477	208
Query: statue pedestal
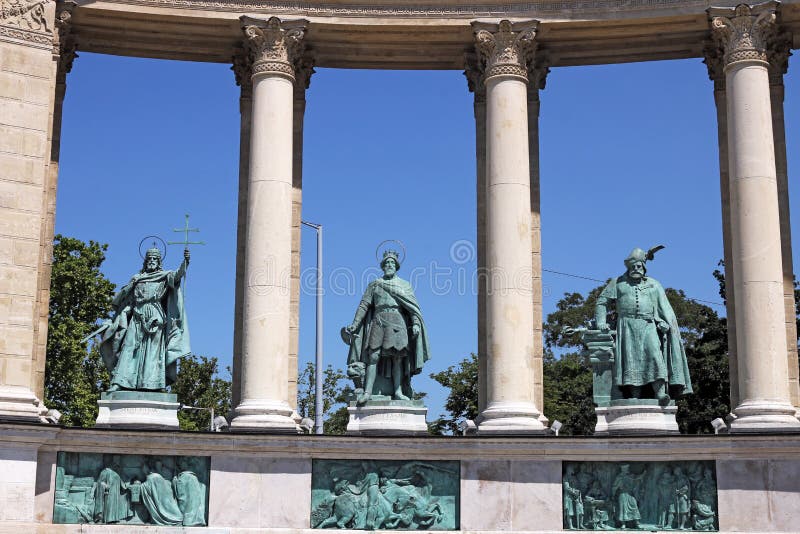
627	417
387	418
138	409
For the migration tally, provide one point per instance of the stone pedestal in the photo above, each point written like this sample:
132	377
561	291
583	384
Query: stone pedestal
388	418
627	417
138	409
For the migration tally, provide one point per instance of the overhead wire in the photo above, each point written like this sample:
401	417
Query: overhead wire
712	303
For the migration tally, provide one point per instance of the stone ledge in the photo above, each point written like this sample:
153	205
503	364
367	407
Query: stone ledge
727	447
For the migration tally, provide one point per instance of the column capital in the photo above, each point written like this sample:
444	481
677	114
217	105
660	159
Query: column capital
779	49
713	57
744	31
504	49
538	70
473	71
274	45
64	42
303	70
242	67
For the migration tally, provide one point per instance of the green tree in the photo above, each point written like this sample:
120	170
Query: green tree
80	297
462	401
199	384
332	394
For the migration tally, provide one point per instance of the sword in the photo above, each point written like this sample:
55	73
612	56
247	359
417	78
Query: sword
99	331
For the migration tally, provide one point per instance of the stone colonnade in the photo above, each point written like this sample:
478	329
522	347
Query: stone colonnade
506	71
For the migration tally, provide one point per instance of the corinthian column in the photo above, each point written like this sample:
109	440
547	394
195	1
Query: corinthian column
778	55
504	49
473	72
274	46
743	33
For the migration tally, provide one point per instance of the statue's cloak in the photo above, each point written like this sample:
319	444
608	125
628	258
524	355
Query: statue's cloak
419	351
158	498
176	325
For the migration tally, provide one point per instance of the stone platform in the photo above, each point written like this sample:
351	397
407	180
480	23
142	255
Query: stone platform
138	409
387	418
263	483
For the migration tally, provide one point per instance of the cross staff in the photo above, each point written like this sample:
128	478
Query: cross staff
186	231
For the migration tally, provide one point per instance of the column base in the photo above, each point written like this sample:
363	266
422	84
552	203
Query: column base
765	416
501	418
20	404
269	417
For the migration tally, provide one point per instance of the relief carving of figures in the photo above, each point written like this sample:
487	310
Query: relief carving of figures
131	489
640	496
25	14
389	495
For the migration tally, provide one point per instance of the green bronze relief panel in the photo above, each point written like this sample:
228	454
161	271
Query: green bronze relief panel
640	495
385	495
131	489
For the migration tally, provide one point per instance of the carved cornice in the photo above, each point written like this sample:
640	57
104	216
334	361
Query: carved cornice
27	15
744	31
64	43
323	9
505	49
274	46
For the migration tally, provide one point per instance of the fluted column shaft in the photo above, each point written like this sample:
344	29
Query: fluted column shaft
509	304
755	228
268	260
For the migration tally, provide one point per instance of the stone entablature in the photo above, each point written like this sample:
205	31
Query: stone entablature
572	32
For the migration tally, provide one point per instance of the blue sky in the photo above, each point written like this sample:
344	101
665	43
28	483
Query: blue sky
628	158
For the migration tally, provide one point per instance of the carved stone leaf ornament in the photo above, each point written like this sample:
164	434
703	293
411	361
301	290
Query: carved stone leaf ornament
746	33
274	49
506	51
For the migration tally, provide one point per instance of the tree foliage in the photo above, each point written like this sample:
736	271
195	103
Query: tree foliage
332	394
462	400
199	384
80	297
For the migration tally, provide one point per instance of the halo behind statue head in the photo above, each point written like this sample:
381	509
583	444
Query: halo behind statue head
381	251
162	249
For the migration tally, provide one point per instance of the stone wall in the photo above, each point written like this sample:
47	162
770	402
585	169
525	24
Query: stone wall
507	484
27	91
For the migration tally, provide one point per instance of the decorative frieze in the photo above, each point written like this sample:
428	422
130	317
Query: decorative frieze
744	32
274	46
505	49
385	494
25	14
131	489
640	495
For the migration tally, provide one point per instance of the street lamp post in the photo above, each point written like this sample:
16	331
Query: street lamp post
318	405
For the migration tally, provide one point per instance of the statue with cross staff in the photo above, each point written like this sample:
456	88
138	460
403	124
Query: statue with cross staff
149	332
